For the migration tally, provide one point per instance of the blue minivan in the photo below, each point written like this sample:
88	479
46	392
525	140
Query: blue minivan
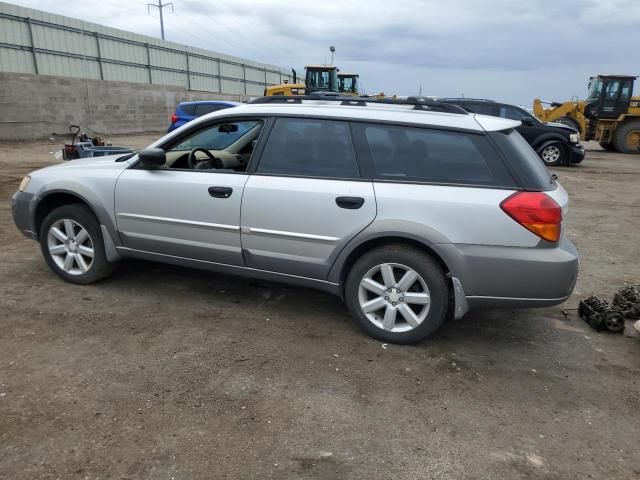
187	111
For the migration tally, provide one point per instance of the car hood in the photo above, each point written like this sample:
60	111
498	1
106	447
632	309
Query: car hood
561	125
106	161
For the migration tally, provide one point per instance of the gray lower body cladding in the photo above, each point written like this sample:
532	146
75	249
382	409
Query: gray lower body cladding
23	207
495	276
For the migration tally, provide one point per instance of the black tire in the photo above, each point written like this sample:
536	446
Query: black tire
82	217
627	138
609	147
559	156
420	262
570	122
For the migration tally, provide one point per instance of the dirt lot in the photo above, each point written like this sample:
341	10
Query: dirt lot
168	373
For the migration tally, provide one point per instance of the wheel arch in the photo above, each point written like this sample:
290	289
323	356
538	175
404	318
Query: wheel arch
55	198
547	139
355	250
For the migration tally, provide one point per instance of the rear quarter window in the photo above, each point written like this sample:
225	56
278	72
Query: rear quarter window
204	109
188	109
531	171
428	155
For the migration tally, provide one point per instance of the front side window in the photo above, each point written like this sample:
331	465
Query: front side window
218	137
612	90
418	154
310	148
225	145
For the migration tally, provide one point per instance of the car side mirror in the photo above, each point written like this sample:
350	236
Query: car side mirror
152	157
528	121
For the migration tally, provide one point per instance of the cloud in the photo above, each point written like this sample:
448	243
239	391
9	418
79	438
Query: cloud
504	49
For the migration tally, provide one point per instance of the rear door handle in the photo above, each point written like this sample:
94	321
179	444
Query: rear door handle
351	203
220	192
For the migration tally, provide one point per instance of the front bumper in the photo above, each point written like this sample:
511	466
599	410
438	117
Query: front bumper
494	276
23	205
575	153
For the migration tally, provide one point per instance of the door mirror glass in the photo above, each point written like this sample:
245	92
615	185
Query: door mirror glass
152	157
528	121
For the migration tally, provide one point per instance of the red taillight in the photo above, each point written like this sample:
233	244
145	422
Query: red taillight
174	118
536	212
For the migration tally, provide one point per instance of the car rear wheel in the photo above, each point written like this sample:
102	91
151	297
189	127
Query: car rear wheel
397	294
553	154
72	244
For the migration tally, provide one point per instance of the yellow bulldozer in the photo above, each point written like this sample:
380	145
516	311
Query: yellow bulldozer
610	114
348	84
318	78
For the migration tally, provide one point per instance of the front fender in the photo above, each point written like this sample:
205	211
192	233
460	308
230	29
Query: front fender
99	198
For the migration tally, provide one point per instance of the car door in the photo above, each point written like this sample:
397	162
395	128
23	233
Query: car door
187	212
306	198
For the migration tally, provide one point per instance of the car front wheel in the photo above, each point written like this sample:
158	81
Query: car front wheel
553	154
397	294
72	244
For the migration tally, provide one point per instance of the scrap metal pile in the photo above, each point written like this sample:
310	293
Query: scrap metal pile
601	314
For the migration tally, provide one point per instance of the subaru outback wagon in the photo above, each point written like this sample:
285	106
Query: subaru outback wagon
411	211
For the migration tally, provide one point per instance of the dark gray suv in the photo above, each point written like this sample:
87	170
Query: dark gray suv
410	210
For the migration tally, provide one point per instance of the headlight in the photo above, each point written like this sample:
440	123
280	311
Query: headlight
23	184
574	138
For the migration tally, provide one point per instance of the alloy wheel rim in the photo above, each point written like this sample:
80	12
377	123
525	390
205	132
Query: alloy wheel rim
394	297
70	246
551	154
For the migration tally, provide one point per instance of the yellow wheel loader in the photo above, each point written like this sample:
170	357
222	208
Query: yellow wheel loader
348	84
318	78
610	115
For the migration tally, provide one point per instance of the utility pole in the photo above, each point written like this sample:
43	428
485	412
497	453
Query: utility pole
160	6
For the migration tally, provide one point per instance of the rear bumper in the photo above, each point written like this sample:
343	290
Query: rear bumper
512	276
576	153
23	206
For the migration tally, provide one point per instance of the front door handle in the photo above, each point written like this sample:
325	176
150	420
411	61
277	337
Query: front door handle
351	203
220	192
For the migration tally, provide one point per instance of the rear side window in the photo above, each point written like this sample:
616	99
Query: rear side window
311	148
188	109
533	174
512	113
204	109
482	108
419	154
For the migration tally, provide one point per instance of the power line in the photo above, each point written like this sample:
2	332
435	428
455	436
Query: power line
160	7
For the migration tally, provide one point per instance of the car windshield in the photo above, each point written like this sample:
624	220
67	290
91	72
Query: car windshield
321	79
347	84
595	88
218	138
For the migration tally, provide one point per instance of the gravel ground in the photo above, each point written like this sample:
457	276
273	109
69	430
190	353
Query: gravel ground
162	372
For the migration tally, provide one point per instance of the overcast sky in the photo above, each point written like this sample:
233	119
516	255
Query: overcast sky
508	50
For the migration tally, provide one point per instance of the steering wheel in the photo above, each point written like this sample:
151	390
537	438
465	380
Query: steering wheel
192	160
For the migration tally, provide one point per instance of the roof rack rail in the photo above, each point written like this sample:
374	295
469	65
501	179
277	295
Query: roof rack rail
419	103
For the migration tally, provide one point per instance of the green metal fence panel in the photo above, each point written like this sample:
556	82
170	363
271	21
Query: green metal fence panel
33	41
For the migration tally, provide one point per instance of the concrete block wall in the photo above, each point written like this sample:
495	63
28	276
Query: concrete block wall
37	106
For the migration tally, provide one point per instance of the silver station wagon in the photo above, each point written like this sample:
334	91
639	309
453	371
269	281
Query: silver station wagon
410	210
